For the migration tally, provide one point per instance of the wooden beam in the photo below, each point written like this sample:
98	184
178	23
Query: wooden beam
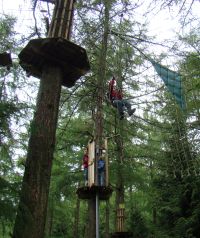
49	1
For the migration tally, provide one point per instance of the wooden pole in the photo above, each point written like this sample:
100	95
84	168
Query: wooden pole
61	25
99	113
92	217
120	219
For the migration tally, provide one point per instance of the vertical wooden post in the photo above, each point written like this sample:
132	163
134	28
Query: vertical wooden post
92	217
76	219
61	25
120	218
91	174
120	182
99	109
107	220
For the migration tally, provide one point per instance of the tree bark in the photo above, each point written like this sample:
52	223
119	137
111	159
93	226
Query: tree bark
49	218
31	214
120	178
76	219
107	225
99	115
92	218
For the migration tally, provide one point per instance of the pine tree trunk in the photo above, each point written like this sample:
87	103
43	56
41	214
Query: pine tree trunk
119	193
49	219
107	228
99	115
92	218
31	214
120	179
76	219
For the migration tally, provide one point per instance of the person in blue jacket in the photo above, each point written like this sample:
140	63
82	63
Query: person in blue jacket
101	171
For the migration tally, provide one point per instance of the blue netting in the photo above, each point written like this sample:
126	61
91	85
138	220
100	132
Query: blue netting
172	80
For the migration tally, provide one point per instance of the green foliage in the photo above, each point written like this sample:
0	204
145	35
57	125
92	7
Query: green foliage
8	201
178	209
7	109
11	112
7	211
137	224
7	33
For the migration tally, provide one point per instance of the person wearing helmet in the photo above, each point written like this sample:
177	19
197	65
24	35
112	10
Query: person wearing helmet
116	98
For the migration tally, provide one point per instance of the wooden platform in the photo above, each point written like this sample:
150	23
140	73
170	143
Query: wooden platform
5	59
90	192
50	1
55	51
122	234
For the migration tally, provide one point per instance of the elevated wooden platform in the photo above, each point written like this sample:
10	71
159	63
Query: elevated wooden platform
90	192
50	1
71	58
5	59
122	234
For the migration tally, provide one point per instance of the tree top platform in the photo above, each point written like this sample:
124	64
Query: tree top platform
5	59
86	192
71	58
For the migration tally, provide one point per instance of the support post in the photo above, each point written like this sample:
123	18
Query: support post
92	217
97	215
61	24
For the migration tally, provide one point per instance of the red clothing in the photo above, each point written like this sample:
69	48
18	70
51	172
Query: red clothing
114	94
85	161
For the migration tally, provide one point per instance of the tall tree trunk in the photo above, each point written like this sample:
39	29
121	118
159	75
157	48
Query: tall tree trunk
92	217
120	180
99	111
101	78
31	214
119	193
49	219
76	219
107	228
154	210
